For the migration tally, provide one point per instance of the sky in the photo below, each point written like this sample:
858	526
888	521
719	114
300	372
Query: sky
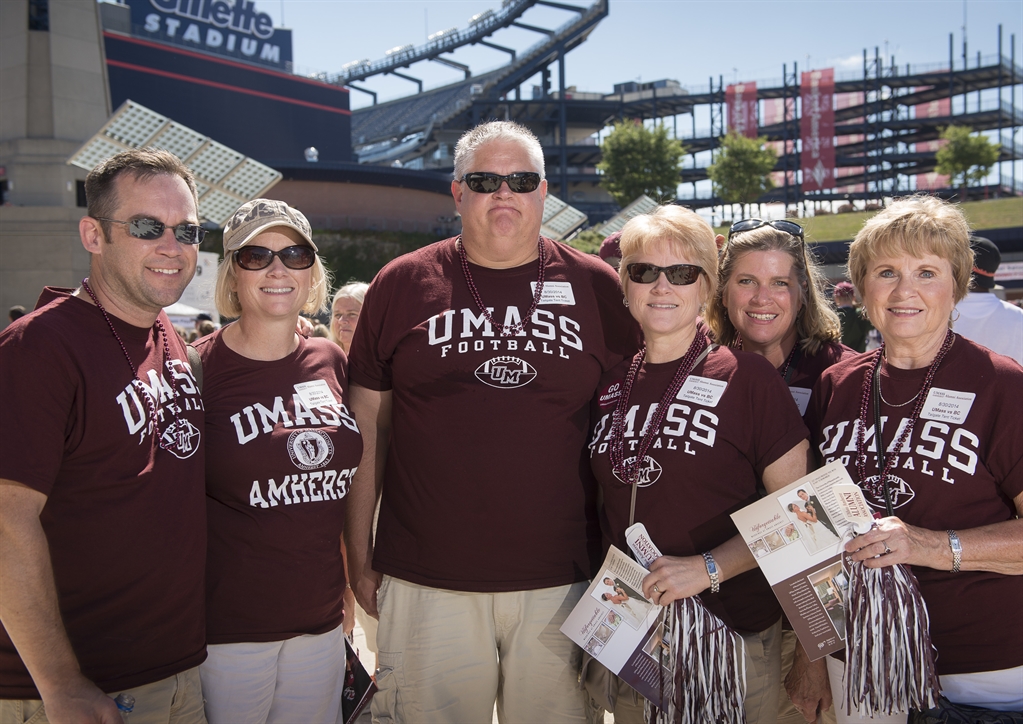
689	41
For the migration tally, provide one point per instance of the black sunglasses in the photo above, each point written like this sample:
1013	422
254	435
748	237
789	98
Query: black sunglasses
482	182
789	227
680	275
254	258
150	229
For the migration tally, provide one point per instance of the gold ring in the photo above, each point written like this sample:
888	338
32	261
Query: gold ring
655	590
887	550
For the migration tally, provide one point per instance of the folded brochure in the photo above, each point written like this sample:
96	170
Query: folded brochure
796	536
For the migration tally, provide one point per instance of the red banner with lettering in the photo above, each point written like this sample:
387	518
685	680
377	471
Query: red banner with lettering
940	108
817	129
741	99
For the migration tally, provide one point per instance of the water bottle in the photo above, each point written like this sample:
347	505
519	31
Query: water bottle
125	704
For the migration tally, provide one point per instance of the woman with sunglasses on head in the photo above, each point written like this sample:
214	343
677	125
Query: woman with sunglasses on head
952	492
770	301
281	449
707	425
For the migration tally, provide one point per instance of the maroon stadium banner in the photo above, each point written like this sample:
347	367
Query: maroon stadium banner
940	108
741	99
817	129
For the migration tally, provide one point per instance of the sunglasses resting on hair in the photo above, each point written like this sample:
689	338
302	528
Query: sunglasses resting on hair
150	229
678	274
482	182
789	227
254	258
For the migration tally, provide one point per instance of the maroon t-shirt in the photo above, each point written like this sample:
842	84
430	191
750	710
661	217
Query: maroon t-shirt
807	369
282	448
950	475
704	465
124	519
486	486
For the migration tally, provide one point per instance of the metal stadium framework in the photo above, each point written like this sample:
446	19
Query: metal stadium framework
880	138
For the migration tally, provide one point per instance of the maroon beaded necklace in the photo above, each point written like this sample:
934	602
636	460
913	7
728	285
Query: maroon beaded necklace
505	330
784	371
158	330
872	377
629	472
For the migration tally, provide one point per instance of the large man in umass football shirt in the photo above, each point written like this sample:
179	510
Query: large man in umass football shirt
472	367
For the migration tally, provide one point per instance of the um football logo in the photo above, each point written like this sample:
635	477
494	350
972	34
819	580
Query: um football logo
505	372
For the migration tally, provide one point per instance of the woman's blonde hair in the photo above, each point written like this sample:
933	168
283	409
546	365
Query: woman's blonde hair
227	301
686	233
817	324
917	226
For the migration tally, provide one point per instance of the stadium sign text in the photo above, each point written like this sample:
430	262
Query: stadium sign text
226	27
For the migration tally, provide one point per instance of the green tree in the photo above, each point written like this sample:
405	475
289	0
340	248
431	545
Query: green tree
741	173
638	160
966	158
588	241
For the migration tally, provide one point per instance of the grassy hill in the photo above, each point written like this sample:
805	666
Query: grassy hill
993	214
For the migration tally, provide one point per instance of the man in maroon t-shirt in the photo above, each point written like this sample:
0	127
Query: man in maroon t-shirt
472	369
102	505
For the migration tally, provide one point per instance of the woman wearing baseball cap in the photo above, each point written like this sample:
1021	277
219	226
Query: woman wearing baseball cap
281	449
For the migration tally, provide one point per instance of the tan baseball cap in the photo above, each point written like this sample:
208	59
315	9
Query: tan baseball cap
256	216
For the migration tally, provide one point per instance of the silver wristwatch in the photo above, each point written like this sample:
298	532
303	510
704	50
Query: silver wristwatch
712	571
957	550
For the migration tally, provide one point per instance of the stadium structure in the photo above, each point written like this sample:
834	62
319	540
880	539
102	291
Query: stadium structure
221	68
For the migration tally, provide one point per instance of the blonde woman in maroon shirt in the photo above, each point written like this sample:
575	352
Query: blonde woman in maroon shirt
949	476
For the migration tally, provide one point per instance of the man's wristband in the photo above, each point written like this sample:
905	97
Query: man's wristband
712	571
957	550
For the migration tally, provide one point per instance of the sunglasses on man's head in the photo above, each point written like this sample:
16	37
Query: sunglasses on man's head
789	227
151	229
680	275
254	258
482	182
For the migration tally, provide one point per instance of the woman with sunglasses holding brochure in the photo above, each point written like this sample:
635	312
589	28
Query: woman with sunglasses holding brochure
771	301
687	431
281	450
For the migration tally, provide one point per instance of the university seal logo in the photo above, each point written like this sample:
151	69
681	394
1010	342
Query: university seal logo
505	372
310	449
649	472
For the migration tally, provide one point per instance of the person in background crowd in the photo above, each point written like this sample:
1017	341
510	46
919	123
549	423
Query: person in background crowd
345	310
690	483
205	328
475	428
283	448
855	327
346	307
102	506
983	317
952	496
15	313
770	301
610	251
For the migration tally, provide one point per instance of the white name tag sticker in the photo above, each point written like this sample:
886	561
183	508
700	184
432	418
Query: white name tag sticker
947	405
702	390
802	397
555	293
315	393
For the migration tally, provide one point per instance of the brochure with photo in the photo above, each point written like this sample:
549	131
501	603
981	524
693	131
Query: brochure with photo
619	627
796	535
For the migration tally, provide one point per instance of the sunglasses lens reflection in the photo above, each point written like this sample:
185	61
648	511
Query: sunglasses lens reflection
487	183
254	258
680	274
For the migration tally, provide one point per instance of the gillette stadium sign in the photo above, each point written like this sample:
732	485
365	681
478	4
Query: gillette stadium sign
232	28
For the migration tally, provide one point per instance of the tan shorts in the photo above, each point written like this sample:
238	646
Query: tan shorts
174	700
447	656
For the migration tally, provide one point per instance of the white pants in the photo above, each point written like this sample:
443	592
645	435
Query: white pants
296	680
447	656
